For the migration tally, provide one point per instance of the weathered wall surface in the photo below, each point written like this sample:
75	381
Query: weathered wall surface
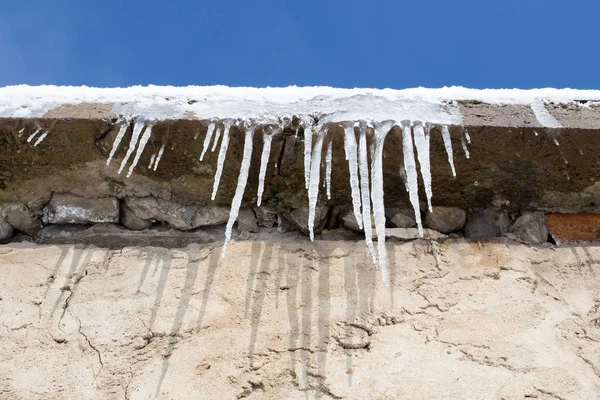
295	320
514	163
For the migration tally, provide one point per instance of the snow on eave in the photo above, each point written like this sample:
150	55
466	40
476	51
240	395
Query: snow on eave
270	104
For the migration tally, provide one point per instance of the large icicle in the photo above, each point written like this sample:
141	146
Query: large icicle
241	185
410	166
264	161
140	149
422	145
328	161
221	159
364	189
448	146
217	136
117	142
135	136
307	152
381	131
350	147
209	135
313	186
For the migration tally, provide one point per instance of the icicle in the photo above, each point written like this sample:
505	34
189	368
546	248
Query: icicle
140	149
448	145
160	154
209	134
221	159
135	136
33	135
264	160
117	142
217	136
21	132
41	138
307	152
467	136
364	189
152	161
381	132
313	187
411	172
543	116
328	160
465	148
350	148
422	145
241	185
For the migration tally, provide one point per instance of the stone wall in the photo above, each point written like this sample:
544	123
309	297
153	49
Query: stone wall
514	167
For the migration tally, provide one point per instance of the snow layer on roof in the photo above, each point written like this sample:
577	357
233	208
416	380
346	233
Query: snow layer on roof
270	104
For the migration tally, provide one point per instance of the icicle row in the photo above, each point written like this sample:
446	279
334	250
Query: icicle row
410	167
350	148
221	159
140	149
135	136
448	146
241	185
364	189
422	145
313	186
328	166
209	134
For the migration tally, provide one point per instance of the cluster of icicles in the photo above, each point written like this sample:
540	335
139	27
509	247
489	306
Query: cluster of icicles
366	182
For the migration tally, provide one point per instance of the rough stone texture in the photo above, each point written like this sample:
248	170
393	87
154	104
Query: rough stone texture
401	218
504	115
82	111
246	221
6	230
531	228
20	217
446	219
300	320
177	215
581	116
487	224
132	221
410	234
66	208
265	216
299	217
348	220
574	227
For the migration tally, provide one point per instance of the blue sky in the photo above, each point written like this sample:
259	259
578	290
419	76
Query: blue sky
350	43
